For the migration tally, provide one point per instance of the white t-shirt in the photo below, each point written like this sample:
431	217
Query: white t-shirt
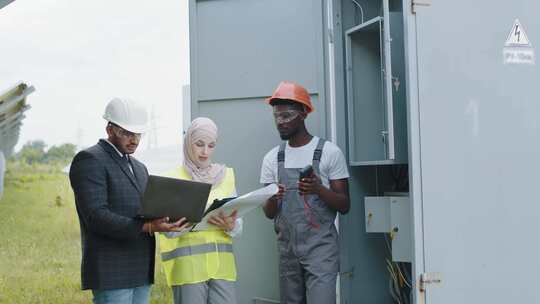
332	166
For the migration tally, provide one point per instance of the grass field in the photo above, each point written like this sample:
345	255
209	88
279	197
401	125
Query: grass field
40	249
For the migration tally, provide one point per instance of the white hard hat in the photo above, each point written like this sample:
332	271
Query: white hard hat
127	114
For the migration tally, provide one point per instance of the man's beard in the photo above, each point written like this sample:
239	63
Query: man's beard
288	135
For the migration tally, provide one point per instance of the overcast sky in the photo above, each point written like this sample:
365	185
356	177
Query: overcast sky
80	54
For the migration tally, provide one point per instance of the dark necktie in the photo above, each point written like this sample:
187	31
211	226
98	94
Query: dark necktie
128	163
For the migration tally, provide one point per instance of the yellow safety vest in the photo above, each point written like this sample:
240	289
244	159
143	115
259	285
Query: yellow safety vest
198	256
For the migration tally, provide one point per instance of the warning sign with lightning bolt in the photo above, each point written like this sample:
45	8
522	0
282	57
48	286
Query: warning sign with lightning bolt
518	49
517	36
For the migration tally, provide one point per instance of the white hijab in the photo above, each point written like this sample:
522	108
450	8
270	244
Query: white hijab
201	128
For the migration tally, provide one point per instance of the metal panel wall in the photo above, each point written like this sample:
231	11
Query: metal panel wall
479	144
250	46
240	50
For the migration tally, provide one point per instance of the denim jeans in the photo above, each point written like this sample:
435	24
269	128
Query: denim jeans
137	295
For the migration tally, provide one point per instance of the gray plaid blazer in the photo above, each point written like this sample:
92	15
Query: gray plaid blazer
115	251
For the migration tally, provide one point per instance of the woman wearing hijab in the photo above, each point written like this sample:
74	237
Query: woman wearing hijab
199	265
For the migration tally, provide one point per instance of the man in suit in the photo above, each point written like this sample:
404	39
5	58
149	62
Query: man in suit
118	249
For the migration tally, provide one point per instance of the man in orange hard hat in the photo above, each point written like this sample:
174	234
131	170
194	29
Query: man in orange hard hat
306	206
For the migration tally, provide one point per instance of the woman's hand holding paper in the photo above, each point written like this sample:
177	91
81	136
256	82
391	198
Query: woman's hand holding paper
223	221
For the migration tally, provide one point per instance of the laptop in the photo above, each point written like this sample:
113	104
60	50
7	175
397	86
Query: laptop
174	198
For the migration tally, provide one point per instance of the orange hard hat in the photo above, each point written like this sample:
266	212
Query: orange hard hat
292	91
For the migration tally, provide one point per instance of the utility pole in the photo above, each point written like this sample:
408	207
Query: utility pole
152	133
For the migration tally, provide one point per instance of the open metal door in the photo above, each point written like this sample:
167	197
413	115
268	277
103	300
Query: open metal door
240	51
478	151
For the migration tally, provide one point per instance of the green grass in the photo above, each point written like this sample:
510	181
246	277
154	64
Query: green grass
40	249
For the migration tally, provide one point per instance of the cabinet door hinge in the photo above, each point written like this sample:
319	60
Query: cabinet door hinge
429	278
419	3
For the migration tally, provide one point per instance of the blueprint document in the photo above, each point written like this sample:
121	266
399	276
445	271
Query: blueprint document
243	204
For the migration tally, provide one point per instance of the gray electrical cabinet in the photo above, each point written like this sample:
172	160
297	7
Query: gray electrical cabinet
474	143
433	100
237	59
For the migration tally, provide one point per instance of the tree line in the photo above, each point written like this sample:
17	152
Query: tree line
36	152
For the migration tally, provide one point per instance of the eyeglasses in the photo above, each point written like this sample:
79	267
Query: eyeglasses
120	132
286	116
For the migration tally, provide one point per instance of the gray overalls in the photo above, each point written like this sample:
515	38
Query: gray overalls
307	241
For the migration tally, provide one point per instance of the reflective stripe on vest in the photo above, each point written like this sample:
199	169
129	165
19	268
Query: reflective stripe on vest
199	255
192	250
